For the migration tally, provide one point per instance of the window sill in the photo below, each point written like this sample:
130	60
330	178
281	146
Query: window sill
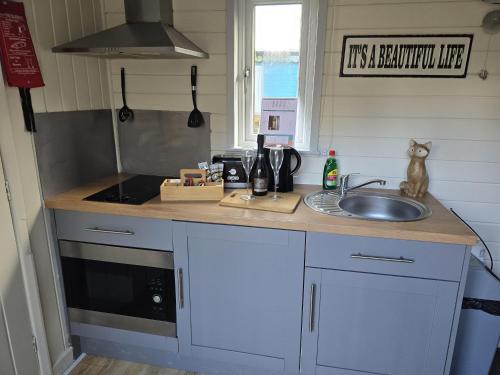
301	152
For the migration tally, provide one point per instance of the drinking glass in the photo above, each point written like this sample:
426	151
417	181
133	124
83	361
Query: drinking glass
276	160
247	160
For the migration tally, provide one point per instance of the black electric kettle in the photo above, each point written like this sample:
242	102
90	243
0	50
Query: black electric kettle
288	169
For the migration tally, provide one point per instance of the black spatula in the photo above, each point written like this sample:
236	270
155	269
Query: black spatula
195	118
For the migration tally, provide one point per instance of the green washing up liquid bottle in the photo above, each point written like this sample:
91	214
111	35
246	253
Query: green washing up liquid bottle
330	172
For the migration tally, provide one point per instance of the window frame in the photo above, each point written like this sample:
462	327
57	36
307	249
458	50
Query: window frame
240	20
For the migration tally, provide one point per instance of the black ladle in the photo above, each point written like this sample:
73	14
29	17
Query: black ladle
125	113
195	118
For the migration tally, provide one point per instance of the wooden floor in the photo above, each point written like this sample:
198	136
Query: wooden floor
91	365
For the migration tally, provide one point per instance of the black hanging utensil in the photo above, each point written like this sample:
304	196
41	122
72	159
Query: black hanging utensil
195	118
125	113
29	116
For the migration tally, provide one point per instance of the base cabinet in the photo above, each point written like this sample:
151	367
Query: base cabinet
362	323
263	301
241	292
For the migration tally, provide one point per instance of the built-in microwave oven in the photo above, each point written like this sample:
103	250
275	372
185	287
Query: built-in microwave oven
120	287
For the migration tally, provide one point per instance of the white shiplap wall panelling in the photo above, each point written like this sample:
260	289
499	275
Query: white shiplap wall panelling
103	63
216	43
205	21
215	65
79	62
485	172
165	84
178	84
218	123
495	249
114	19
424	14
470	86
44	28
482	41
371	2
116	6
489	232
476	211
174	102
64	62
435	128
471	107
449	172
72	82
479	192
450	150
87	16
113	6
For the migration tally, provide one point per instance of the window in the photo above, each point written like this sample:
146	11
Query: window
277	52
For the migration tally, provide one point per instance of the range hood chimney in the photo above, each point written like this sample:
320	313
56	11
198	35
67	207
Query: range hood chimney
148	33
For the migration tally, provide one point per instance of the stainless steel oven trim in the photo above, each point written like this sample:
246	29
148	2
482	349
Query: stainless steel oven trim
115	254
130	323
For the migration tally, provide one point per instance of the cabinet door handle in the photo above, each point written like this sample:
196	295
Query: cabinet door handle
180	283
383	259
109	231
312	303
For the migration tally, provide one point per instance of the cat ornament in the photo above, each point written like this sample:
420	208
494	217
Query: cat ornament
417	178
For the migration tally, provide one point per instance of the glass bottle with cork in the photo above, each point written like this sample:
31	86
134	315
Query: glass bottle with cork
260	174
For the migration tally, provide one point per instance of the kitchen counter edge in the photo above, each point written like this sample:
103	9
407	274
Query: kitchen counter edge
441	227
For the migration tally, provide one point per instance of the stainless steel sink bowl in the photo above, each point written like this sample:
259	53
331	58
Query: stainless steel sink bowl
367	205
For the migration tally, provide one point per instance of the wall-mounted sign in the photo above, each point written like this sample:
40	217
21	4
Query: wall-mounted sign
431	56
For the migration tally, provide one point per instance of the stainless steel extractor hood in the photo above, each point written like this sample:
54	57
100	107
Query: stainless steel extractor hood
148	33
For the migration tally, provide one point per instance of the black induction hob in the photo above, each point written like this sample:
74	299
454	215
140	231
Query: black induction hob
136	190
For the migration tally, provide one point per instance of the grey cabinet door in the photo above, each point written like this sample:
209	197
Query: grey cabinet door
357	323
242	294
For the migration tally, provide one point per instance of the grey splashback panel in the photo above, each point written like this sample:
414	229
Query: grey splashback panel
160	143
74	148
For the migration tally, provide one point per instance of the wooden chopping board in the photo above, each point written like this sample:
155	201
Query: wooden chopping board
286	204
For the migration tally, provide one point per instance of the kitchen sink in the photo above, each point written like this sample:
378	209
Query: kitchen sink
367	205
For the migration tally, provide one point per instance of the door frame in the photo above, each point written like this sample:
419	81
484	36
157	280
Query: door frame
20	339
21	232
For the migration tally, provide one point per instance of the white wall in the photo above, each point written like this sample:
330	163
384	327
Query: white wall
369	120
72	82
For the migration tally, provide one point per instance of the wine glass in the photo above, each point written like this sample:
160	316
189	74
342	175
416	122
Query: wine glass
247	160
276	160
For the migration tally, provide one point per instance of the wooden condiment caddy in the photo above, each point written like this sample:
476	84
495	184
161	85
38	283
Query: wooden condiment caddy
193	186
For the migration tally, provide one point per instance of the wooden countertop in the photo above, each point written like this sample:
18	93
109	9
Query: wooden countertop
441	227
